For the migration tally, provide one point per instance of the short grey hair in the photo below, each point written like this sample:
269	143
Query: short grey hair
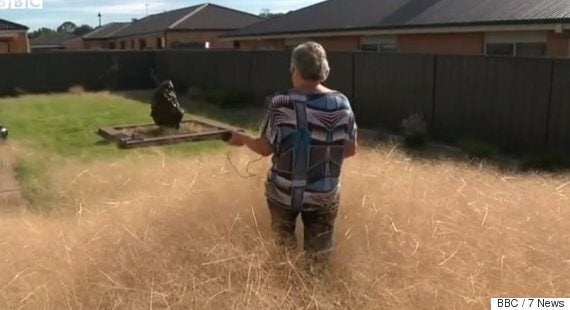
310	58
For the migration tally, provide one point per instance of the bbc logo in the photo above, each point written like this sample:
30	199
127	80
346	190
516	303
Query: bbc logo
21	4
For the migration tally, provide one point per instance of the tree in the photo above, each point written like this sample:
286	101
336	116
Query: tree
266	13
67	27
82	30
39	32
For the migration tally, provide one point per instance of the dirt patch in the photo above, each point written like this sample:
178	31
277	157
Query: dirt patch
152	131
11	199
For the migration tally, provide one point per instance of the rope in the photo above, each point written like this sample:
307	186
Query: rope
249	174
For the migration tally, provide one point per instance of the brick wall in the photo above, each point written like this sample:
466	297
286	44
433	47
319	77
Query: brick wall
75	44
95	44
171	38
463	44
452	43
199	37
16	45
339	44
134	42
251	45
333	44
557	45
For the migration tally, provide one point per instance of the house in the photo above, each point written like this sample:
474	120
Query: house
13	38
195	27
463	27
99	38
50	41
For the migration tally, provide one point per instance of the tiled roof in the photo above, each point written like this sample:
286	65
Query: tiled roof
51	39
8	25
105	31
200	17
342	15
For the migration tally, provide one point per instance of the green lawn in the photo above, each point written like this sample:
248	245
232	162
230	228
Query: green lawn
66	124
52	128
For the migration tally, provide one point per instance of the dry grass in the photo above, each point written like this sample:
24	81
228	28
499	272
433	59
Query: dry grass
76	90
157	233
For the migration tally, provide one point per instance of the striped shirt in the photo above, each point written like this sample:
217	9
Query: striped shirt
330	124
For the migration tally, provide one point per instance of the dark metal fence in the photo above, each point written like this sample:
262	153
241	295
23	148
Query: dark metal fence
517	104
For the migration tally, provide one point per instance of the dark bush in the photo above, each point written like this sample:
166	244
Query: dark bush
478	149
415	132
548	160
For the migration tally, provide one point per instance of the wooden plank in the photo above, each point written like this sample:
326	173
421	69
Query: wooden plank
114	134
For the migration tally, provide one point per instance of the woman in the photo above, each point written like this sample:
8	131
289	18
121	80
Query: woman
309	130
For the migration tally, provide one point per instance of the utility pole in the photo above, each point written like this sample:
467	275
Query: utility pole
99	16
146	5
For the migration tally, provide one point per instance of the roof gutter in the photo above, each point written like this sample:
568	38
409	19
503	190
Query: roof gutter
557	27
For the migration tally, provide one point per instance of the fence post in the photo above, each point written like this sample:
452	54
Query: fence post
549	109
354	81
250	77
433	95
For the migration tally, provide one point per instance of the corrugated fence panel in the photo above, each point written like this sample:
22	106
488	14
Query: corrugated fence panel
499	100
135	69
505	101
23	72
559	125
390	87
57	72
89	70
270	73
187	68
233	70
341	77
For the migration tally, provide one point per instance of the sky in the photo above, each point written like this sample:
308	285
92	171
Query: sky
55	12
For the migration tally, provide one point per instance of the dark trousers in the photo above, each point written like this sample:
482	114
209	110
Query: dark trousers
318	229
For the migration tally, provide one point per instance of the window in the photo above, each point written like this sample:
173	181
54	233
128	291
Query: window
237	44
531	49
379	48
123	45
112	45
142	44
369	47
500	49
516	43
159	43
516	49
133	44
379	44
188	45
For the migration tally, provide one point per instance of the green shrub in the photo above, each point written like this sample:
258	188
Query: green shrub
478	149
415	132
549	160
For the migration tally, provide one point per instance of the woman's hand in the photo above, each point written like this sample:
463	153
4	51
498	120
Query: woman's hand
237	139
258	145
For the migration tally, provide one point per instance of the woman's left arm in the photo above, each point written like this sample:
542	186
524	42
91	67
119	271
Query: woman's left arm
257	145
